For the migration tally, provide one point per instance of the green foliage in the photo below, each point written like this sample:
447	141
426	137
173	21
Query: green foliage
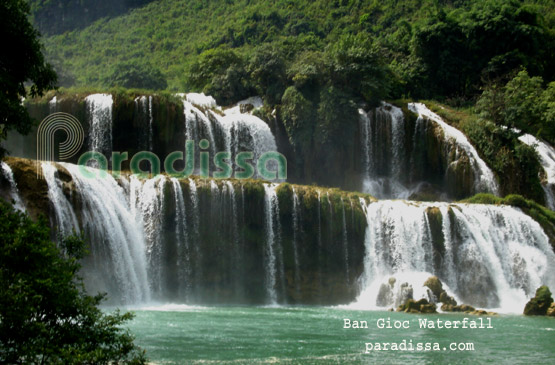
515	163
357	67
45	316
298	115
136	75
220	72
21	64
267	72
433	48
521	103
58	16
337	117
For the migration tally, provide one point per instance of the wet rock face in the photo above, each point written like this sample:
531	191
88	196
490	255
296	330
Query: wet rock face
541	304
218	229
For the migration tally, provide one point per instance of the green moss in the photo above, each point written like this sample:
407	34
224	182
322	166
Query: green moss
435	219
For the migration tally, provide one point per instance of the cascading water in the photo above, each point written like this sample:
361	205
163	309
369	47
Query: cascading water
99	114
53	105
546	153
182	241
488	256
383	152
297	224
345	239
273	255
117	240
231	132
14	191
143	106
484	178
66	219
209	241
147	206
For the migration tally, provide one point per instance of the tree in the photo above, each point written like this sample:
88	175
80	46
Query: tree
45	316
356	67
220	72
521	103
133	74
267	71
21	63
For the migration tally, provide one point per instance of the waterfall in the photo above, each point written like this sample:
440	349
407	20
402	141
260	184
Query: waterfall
244	132
118	244
66	221
485	180
198	126
231	132
345	240
272	252
14	191
546	154
487	256
182	241
99	111
384	153
143	106
297	230
53	104
147	200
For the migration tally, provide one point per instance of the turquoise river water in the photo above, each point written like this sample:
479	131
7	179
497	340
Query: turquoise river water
177	334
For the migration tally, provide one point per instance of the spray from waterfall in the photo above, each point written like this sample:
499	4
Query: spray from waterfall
117	241
488	256
99	115
66	220
14	191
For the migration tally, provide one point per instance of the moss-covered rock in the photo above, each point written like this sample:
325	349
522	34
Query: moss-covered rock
417	306
539	305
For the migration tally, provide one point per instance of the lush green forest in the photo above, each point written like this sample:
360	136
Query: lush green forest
302	53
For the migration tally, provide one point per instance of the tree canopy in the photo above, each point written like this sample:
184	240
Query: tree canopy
45	315
21	64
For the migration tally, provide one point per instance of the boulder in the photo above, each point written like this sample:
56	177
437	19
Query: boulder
417	306
458	308
447	299
551	310
435	286
540	304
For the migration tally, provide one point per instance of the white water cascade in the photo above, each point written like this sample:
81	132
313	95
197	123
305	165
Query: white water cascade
14	191
297	231
232	132
485	180
487	256
273	255
182	240
144	105
53	105
99	111
147	207
65	216
546	153
383	180
118	241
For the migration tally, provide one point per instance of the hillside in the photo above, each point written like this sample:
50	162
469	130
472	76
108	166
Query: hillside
169	35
